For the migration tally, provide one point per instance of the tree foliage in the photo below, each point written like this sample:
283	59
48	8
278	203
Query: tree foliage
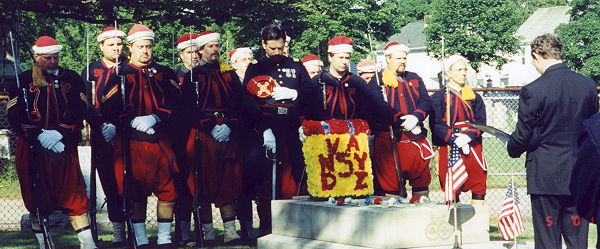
480	30
309	23
320	20
581	38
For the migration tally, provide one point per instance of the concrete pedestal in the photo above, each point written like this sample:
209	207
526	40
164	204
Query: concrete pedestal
405	226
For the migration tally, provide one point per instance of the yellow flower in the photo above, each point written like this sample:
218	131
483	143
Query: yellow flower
338	165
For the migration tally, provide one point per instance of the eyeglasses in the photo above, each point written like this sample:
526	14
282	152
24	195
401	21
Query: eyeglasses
49	57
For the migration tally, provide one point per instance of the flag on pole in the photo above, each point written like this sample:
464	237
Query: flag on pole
510	221
456	175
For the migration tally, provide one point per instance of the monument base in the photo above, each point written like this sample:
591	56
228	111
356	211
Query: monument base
274	241
376	226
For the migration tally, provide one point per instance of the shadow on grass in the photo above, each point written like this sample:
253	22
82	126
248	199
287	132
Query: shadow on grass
68	240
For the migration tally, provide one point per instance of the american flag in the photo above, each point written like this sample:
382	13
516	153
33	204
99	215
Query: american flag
456	175
510	221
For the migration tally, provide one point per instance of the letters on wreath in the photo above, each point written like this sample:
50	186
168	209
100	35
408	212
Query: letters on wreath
336	153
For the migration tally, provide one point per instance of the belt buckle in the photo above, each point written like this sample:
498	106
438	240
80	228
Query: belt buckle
462	129
219	115
282	110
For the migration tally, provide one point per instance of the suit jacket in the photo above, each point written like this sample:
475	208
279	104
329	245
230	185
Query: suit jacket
585	181
553	106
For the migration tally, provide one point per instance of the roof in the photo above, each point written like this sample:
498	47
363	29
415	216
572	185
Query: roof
410	35
542	21
7	68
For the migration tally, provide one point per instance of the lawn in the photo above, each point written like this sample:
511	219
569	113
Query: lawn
68	240
22	240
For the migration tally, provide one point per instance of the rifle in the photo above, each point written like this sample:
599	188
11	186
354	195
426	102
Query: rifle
127	203
197	206
401	181
455	209
92	204
31	160
273	157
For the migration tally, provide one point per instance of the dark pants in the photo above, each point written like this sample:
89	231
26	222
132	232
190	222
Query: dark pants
553	216
250	155
102	157
595	220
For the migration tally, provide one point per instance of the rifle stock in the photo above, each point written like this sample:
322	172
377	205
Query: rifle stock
127	203
197	205
92	202
42	219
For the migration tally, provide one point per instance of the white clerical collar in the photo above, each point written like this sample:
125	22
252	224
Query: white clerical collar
454	87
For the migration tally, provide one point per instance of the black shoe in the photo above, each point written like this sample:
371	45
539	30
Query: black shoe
117	244
166	246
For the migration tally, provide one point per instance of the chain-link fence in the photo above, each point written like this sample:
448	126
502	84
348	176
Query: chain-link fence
501	107
501	112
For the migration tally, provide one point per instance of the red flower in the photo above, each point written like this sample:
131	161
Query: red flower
377	200
360	126
340	202
338	126
312	128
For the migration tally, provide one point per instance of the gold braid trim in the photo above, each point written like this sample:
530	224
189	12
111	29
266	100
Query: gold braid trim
11	102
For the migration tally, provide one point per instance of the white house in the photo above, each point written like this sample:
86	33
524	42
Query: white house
517	72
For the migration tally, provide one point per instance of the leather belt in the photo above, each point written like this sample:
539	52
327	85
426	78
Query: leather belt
462	129
277	110
142	136
213	114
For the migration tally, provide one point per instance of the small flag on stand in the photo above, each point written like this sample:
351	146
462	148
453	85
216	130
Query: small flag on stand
456	175
510	221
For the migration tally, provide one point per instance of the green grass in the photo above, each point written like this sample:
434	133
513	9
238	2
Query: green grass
528	234
68	240
23	240
9	182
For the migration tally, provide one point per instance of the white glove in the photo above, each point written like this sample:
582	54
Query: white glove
269	140
280	93
222	134
417	130
49	138
143	123
301	134
461	140
410	121
108	131
59	147
465	149
215	131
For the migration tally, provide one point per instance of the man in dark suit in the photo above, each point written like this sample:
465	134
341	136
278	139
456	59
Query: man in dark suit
585	183
280	86
551	111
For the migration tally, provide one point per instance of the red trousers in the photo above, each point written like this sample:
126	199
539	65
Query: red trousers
60	186
153	167
413	159
289	186
475	164
220	169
